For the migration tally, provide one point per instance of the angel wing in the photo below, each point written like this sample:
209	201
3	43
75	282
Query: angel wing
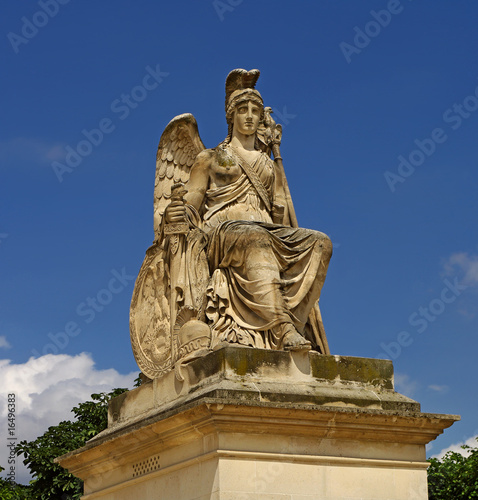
178	147
150	314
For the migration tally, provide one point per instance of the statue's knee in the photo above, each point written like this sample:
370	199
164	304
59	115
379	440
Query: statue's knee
255	237
326	246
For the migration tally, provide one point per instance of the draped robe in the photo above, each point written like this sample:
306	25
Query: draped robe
263	274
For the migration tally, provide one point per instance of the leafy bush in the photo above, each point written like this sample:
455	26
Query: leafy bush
50	481
454	476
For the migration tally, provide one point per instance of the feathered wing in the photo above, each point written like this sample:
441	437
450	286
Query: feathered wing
178	147
150	315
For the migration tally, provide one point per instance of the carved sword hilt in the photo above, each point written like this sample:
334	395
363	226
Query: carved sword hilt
177	194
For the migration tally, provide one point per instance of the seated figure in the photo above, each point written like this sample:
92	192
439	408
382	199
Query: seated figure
229	263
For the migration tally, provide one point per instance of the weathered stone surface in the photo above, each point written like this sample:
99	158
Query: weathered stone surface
223	319
228	253
255	423
266	376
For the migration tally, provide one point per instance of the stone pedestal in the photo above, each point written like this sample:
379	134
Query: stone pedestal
258	424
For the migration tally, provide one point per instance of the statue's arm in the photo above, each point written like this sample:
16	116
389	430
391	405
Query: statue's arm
199	179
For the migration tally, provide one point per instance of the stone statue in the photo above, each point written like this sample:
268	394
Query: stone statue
229	263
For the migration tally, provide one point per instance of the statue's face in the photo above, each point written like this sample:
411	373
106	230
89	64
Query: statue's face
247	117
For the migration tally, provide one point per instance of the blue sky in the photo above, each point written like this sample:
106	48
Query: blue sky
378	101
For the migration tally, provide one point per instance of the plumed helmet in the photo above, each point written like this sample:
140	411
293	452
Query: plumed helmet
240	86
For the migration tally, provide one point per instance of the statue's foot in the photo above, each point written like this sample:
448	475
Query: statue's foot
293	340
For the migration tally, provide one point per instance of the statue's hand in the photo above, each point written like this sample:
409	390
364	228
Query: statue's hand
175	212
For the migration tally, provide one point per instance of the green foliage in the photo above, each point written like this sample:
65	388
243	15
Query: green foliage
454	477
138	380
12	491
50	481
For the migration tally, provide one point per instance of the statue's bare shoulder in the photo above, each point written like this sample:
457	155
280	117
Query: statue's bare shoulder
212	168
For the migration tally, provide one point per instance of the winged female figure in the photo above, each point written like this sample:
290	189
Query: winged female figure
228	263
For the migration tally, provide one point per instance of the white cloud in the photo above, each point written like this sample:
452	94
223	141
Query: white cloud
29	151
404	385
465	265
46	389
4	342
438	388
457	448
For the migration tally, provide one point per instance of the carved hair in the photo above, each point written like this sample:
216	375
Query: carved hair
240	96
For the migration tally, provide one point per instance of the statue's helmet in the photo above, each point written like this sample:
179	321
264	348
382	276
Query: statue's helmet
240	87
